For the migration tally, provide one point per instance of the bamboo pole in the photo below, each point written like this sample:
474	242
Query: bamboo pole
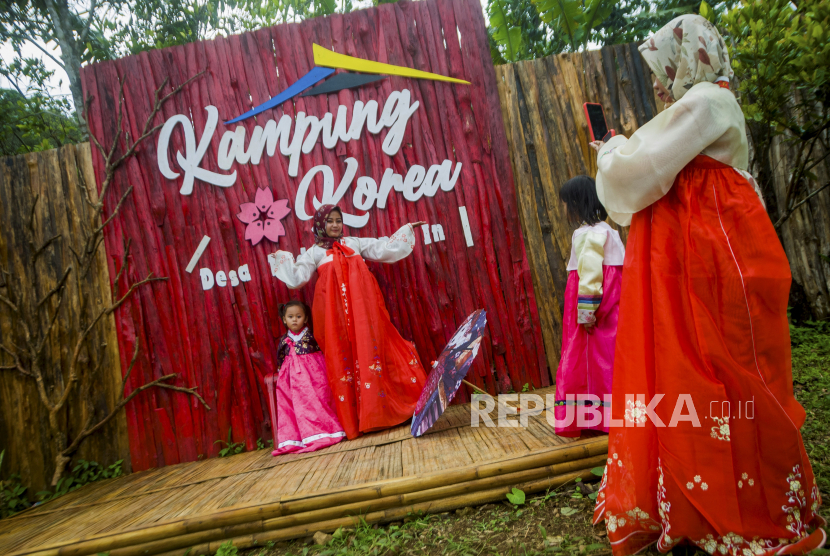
432	507
352	446
360	508
305	503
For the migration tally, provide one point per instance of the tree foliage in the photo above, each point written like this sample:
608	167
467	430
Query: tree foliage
534	28
575	20
72	34
31	120
780	52
516	32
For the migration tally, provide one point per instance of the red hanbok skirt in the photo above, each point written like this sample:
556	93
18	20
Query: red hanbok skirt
703	323
375	375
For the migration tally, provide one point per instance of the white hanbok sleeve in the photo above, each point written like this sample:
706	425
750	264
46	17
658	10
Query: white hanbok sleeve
388	250
636	172
295	275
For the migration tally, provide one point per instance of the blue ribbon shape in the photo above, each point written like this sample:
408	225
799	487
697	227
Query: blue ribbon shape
316	75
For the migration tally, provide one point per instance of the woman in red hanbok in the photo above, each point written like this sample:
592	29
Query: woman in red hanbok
375	375
705	447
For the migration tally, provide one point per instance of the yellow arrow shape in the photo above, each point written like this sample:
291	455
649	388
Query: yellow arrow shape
328	59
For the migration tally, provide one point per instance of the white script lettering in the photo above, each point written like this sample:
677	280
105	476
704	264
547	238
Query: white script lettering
418	182
307	131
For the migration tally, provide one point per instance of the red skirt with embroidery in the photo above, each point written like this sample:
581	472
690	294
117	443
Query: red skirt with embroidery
703	323
375	375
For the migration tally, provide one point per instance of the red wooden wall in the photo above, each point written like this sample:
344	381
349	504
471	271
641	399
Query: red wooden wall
223	340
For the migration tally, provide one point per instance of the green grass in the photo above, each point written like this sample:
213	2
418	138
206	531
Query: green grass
811	381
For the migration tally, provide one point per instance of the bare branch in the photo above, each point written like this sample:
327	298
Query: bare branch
94	236
126	249
43	247
804	200
100	147
159	382
115	211
75	254
129	369
191	391
89	20
90	256
118	303
148	130
18	365
83	185
118	129
52	321
58	287
9	303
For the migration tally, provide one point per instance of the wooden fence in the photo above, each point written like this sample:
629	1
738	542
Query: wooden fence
541	104
806	233
42	196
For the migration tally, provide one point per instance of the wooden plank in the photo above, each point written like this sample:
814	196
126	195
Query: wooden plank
54	177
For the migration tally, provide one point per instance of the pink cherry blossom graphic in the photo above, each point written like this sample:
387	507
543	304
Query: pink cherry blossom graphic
263	217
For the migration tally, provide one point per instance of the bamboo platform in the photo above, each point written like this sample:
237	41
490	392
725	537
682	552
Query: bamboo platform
253	497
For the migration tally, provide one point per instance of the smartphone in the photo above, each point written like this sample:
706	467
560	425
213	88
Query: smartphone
597	126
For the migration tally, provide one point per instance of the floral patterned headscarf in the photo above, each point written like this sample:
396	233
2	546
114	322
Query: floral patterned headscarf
319	226
687	51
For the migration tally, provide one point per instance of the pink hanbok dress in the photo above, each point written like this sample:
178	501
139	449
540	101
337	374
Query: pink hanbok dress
302	411
592	295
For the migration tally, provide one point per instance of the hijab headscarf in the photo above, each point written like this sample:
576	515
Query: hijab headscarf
319	226
688	50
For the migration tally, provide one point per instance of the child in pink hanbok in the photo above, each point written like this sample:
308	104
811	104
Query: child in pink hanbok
304	413
589	329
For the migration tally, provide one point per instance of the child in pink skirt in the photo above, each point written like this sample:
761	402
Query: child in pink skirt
592	301
305	418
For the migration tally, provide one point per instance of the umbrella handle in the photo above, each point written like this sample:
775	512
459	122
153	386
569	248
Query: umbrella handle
477	389
474	387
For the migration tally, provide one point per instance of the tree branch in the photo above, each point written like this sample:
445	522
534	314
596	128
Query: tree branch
88	24
17	363
804	200
52	321
118	303
43	247
126	250
191	391
39	47
159	382
56	289
115	211
129	369
156	108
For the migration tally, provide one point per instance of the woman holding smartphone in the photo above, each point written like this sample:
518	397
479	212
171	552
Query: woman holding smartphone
710	450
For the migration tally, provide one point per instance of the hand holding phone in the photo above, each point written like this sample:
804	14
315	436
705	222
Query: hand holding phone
597	126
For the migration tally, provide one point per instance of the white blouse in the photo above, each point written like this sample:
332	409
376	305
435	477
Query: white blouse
592	249
633	173
295	275
608	238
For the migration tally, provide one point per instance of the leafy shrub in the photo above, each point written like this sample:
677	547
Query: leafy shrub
231	448
83	473
12	494
227	549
